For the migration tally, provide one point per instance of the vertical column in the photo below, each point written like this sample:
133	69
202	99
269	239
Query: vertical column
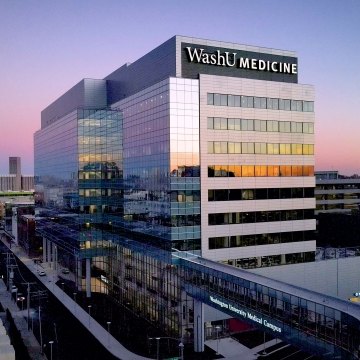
79	273
44	250
283	259
48	251
54	249
199	334
88	278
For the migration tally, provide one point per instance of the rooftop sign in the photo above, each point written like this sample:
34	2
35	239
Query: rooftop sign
202	59
231	59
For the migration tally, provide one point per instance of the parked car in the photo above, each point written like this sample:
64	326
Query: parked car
65	271
42	273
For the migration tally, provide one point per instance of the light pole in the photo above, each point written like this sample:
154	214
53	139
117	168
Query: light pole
217	327
108	327
51	344
21	298
157	348
181	346
32	321
89	307
74	302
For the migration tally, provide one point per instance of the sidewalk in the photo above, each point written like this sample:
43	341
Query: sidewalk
32	345
101	334
231	349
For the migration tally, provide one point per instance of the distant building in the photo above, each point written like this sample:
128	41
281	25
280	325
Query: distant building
336	193
337	209
15	181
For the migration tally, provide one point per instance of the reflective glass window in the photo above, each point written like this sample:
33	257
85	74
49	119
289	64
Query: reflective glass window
210	147
210	123
231	101
223	100
210	99
237	100
217	99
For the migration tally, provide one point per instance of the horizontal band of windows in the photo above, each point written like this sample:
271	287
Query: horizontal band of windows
260	194
219	123
222	242
272	260
225	147
260	216
259	170
259	102
184	220
185	195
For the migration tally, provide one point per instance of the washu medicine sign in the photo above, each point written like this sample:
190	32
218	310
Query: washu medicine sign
232	59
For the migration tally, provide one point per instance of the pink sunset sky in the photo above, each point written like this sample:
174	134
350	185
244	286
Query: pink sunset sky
47	47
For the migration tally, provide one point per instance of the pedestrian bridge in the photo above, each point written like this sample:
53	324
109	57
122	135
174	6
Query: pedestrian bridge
317	323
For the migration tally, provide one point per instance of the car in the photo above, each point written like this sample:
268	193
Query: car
42	273
65	271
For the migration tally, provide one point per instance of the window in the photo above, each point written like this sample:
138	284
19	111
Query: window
247	170
259	102
247	148
231	100
223	100
210	147
237	100
272	126
308	106
210	99
284	126
217	99
260	148
210	122
247	125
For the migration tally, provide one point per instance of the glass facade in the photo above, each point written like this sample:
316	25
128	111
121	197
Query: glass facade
307	319
81	190
161	164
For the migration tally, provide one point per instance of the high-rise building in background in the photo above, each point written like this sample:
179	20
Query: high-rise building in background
15	181
199	146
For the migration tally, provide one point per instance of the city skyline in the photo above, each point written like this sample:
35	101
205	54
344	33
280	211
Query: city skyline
49	47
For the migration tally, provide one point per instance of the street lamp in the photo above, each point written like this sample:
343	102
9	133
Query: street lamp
108	327
21	298
89	307
217	327
51	344
181	346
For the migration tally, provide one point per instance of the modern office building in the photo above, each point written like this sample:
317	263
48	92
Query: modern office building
200	146
336	193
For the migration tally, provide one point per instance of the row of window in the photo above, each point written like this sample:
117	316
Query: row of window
259	102
260	194
220	123
260	216
259	170
221	242
272	260
226	147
